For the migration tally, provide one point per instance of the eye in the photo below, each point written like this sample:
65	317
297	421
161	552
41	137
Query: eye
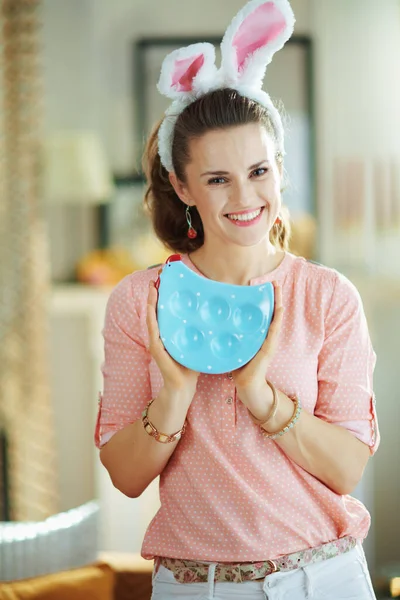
216	181
260	171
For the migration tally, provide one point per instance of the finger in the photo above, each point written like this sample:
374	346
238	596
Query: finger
164	360
273	333
277	303
277	295
267	349
152	297
276	322
151	320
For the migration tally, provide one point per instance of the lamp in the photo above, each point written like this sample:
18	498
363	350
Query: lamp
76	169
76	177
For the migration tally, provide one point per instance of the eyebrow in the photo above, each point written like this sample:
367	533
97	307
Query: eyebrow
255	166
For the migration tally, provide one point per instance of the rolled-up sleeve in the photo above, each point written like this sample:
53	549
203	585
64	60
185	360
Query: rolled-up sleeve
346	365
125	370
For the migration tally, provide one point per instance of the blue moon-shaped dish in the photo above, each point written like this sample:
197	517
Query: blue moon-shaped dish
210	326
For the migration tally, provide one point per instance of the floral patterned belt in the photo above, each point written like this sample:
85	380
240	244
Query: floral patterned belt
188	571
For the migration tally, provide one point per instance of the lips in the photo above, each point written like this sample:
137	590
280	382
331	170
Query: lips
253	218
245	215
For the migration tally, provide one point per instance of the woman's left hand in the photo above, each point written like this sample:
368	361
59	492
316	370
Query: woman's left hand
250	379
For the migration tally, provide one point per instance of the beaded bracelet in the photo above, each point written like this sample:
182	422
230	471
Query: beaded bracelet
163	438
289	425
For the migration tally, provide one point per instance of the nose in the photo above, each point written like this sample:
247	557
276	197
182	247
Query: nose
242	194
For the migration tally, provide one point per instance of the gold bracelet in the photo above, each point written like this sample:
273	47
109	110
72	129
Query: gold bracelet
163	438
296	414
274	407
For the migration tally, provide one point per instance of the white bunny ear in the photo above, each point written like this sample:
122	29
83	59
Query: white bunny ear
187	71
255	34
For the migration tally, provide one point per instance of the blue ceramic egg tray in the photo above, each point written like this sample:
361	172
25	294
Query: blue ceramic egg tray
209	326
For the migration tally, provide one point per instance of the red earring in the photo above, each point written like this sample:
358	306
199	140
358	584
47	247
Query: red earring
278	221
192	233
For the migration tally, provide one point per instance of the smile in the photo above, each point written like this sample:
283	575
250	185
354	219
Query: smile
247	217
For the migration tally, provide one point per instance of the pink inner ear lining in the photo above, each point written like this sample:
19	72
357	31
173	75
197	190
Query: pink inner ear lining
260	28
185	70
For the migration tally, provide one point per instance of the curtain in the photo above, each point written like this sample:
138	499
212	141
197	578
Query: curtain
25	400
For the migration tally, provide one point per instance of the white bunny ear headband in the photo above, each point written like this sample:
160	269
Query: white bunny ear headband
259	30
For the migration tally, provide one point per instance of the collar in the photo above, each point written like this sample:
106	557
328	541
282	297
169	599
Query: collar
277	274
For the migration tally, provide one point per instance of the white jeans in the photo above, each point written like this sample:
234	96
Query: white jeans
343	577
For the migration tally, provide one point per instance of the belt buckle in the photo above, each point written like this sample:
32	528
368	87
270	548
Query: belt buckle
273	566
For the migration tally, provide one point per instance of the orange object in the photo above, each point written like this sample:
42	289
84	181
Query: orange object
105	266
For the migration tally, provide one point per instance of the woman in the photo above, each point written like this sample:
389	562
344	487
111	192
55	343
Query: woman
256	466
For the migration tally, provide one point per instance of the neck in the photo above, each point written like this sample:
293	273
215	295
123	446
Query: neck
237	264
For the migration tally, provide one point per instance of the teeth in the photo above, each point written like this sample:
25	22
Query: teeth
246	217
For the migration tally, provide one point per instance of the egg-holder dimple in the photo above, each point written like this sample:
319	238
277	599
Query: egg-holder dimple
210	326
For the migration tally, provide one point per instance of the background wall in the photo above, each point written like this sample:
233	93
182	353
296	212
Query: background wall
89	64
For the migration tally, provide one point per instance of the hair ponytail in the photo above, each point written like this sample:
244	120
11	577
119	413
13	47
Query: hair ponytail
166	209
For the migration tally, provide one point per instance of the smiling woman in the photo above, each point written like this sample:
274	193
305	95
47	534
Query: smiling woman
225	201
256	465
223	145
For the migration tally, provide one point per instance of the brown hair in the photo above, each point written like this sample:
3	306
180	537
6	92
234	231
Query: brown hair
215	110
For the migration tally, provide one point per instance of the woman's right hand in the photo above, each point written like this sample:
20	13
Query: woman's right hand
178	379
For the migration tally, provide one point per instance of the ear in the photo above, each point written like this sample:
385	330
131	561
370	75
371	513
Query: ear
279	162
180	189
186	71
255	34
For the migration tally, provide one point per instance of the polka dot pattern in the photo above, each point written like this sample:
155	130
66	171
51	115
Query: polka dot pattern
228	493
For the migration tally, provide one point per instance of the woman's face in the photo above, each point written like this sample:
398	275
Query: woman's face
234	181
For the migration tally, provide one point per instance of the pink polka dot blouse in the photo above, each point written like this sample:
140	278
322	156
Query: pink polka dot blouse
228	493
